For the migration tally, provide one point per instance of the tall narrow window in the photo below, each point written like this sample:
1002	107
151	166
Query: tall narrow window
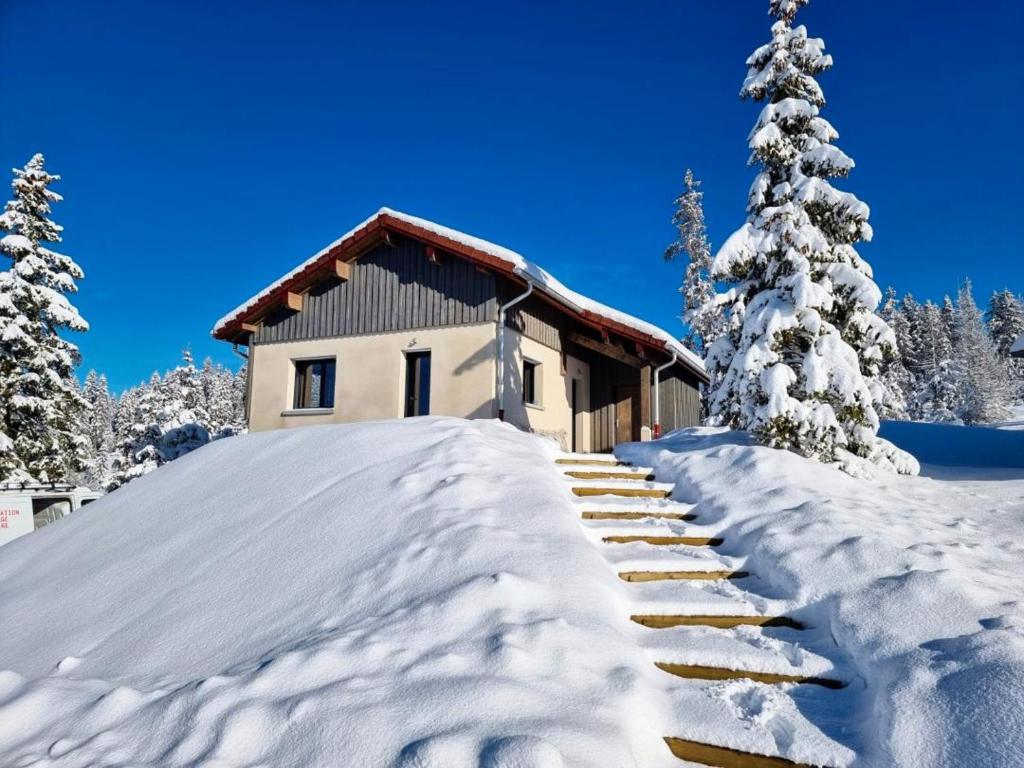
417	383
314	383
530	382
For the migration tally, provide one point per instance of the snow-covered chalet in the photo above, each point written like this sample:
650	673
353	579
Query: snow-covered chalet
404	317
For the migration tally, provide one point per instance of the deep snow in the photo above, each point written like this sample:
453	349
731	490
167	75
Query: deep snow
423	594
414	594
914	582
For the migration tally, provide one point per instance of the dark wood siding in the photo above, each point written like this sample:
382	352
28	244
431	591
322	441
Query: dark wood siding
680	399
680	396
390	289
533	317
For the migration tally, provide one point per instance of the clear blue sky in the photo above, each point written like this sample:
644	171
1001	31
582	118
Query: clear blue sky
208	147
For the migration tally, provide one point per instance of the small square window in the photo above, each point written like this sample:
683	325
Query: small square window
531	375
314	383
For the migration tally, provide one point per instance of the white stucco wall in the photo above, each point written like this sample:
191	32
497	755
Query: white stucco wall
370	380
553	414
370	375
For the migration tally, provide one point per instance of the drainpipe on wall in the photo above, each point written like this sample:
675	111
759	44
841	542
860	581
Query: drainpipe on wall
501	347
248	379
657	394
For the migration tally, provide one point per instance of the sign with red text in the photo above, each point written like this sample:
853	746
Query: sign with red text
15	516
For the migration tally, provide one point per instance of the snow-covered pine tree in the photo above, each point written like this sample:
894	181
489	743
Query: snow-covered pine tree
938	390
940	396
800	362
897	381
169	420
139	432
987	389
97	427
1005	318
908	315
705	321
948	313
220	397
39	398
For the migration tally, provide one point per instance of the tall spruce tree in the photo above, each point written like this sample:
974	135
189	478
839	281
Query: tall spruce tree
97	427
699	312
39	397
800	362
1005	319
938	390
896	379
987	390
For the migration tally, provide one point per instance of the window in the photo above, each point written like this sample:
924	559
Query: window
314	383
417	383
531	376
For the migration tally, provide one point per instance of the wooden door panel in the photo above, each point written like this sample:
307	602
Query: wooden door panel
627	414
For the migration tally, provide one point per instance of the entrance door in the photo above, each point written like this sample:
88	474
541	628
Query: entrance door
417	383
627	414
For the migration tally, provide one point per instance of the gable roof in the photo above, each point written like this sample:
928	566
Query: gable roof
475	249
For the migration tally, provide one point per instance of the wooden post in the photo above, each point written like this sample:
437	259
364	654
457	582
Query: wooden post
645	397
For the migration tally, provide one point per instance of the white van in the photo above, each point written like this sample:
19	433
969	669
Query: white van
24	507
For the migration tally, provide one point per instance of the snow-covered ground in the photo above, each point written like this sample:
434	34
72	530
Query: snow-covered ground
424	594
415	594
912	586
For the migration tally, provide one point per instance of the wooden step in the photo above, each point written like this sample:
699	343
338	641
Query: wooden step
610	462
649	493
664	541
637	515
698	672
588	475
662	621
682	575
723	757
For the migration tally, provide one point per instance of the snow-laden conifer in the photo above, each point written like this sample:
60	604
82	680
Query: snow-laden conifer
39	398
938	379
987	389
96	425
897	381
1005	318
799	365
705	321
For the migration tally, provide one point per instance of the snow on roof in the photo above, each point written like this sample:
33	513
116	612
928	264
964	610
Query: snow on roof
1018	346
528	270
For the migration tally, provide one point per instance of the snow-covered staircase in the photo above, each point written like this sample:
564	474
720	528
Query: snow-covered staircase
705	626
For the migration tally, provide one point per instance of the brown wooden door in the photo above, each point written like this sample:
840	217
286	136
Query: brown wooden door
627	414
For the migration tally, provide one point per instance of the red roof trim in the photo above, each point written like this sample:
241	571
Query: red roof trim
351	246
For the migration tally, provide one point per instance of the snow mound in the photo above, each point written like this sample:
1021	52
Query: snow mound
913	581
414	593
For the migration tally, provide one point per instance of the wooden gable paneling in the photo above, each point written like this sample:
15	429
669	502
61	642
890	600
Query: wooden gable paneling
389	289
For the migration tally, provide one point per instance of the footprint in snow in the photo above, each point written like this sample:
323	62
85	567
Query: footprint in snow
521	752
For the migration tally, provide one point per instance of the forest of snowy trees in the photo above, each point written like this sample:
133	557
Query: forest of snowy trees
799	346
157	421
54	428
952	361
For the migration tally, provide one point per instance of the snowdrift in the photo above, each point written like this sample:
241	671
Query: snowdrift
414	594
917	580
